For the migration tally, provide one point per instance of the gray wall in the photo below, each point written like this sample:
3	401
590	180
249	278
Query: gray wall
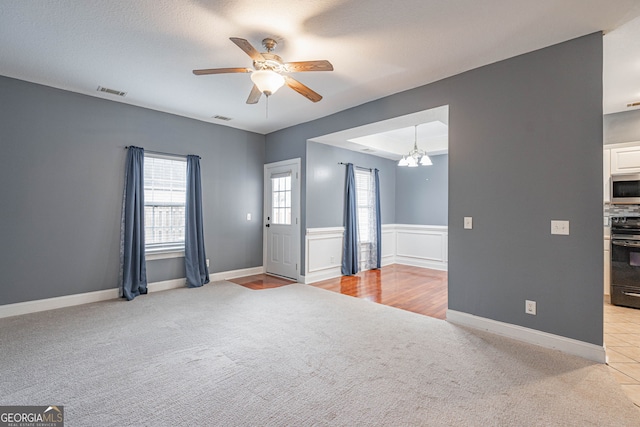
62	173
514	130
326	184
622	127
422	193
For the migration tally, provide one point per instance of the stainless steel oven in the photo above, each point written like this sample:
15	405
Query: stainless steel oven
625	261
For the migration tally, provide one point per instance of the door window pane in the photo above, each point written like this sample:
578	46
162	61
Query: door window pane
281	199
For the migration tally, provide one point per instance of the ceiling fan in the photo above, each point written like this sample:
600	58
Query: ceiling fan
269	73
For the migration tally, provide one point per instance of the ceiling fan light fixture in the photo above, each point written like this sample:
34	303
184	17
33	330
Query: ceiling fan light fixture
267	81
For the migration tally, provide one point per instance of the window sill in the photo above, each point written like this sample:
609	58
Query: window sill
164	254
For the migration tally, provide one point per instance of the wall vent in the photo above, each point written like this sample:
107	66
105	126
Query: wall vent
226	119
111	91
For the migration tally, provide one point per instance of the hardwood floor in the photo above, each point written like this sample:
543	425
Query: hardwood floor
415	289
261	281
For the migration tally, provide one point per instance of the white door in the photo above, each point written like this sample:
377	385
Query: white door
281	218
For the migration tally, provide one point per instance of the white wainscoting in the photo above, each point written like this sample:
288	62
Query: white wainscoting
323	253
417	245
422	246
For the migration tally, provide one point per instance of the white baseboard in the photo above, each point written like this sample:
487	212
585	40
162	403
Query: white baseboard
27	307
421	262
318	276
566	345
166	285
232	274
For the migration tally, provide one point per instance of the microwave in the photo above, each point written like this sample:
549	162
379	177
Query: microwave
625	188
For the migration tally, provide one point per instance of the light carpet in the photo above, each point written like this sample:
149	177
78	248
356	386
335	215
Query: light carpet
224	355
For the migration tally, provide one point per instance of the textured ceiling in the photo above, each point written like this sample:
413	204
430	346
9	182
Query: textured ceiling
147	48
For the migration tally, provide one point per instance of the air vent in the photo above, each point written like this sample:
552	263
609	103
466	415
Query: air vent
111	91
223	118
634	104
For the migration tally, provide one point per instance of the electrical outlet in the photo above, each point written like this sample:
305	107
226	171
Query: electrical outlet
560	227
530	307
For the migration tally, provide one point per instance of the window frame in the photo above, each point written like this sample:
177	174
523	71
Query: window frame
168	249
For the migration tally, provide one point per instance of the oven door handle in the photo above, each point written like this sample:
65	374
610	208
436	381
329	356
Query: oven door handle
632	294
626	244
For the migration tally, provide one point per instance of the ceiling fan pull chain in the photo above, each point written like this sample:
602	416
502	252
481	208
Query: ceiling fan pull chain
267	107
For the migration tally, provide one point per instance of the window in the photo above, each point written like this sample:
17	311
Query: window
281	194
165	189
365	205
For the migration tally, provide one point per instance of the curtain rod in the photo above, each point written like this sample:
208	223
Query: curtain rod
162	153
356	166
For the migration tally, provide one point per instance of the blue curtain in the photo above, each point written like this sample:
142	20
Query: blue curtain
195	259
350	249
378	221
133	269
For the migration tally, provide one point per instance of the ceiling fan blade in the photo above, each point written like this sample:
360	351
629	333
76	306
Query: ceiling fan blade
247	48
322	65
254	96
302	89
221	71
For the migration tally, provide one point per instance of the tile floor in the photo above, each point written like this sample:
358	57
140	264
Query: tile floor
622	342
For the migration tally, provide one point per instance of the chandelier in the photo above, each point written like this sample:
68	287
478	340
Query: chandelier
415	156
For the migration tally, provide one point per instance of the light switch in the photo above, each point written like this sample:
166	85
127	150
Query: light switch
560	227
468	222
248	217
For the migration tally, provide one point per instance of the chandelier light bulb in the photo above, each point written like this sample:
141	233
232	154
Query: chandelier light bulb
426	161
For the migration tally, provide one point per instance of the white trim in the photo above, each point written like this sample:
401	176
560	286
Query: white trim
35	306
232	274
424	263
566	345
318	276
622	145
420	228
26	307
166	285
325	231
152	256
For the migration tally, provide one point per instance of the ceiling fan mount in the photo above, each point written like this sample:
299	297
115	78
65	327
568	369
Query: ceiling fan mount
270	71
269	44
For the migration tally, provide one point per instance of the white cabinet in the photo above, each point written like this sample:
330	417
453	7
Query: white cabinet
625	160
606	167
607	265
